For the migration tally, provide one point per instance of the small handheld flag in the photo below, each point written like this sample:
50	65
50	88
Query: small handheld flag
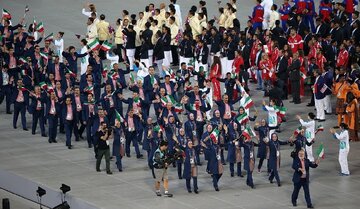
321	151
6	14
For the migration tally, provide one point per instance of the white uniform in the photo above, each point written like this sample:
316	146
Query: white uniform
267	4
344	146
272	119
59	48
310	135
84	60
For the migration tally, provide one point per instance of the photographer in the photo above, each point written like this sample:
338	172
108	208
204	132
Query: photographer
160	168
103	148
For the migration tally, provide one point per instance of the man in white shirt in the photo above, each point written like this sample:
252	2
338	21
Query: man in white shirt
91	33
178	12
274	15
267	4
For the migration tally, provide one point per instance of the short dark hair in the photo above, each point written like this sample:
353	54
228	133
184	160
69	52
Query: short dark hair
102	17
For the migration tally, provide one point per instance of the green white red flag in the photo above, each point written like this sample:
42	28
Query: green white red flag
321	151
43	85
106	46
242	118
94	45
50	37
40	27
215	135
246	101
6	14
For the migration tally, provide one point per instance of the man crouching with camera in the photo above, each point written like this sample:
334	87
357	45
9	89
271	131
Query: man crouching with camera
102	138
160	168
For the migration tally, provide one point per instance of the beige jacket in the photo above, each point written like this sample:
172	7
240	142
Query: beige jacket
103	30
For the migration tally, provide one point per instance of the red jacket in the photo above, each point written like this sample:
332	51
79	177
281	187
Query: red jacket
300	6
296	43
258	14
343	58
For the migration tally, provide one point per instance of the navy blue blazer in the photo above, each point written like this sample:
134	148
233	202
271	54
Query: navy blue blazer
51	69
57	108
318	85
73	61
64	111
34	100
297	165
15	95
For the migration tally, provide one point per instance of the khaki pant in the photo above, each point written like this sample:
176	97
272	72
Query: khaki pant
101	153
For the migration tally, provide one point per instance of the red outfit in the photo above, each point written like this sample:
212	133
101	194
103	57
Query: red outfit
214	74
296	43
343	58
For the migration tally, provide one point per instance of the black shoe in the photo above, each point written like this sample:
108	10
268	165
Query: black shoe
223	163
81	137
77	139
108	172
98	170
310	206
242	176
120	170
279	184
128	155
278	131
310	105
252	186
196	191
323	120
328	113
33	133
15	127
54	140
44	135
294	204
168	195
217	189
291	101
271	181
9	112
50	141
69	147
297	102
140	156
90	145
180	177
189	191
158	194
316	119
199	164
25	129
232	175
336	127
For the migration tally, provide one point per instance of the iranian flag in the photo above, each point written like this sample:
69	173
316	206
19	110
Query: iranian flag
132	78
50	88
178	108
193	107
170	73
22	60
321	151
119	117
89	89
319	128
248	133
27	9
44	55
303	76
168	98
246	101
6	14
297	131
21	88
191	64
40	27
137	101
105	71
106	46
280	111
215	135
94	45
242	118
158	128
72	74
113	75
43	85
50	37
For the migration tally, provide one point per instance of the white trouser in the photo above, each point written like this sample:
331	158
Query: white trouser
186	60
210	99
229	64
159	64
343	153
328	106
167	59
130	53
224	70
319	105
209	62
309	152
150	52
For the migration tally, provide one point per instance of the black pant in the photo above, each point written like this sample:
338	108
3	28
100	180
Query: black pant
285	89
295	91
119	48
297	186
102	53
188	186
175	56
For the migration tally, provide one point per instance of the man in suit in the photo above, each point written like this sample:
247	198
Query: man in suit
158	53
282	72
69	114
130	44
294	76
6	82
20	100
321	28
301	177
